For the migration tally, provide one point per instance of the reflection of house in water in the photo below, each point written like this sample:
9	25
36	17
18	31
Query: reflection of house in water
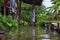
53	20
53	26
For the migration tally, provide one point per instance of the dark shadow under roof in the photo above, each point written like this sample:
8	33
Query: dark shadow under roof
36	2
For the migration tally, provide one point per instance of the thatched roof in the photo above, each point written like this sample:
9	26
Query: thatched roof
36	2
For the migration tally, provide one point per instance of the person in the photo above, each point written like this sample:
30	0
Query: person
13	6
7	6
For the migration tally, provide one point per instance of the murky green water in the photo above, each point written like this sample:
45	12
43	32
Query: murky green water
26	34
49	36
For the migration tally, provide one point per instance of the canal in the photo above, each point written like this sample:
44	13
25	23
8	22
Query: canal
26	34
48	35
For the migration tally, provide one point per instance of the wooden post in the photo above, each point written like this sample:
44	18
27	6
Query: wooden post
57	25
18	14
50	27
18	9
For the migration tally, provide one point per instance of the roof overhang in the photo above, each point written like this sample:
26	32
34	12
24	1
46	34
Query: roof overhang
36	2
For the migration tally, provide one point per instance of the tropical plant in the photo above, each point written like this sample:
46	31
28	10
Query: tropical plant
7	21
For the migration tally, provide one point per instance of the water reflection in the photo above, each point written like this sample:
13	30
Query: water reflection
45	39
26	34
49	36
46	36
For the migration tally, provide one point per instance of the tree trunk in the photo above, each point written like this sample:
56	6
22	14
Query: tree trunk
33	22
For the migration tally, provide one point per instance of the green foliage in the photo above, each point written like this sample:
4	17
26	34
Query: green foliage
56	4
2	27
7	21
26	14
40	15
25	5
39	30
24	23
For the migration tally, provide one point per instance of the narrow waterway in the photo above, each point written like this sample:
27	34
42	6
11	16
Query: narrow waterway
49	36
26	34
